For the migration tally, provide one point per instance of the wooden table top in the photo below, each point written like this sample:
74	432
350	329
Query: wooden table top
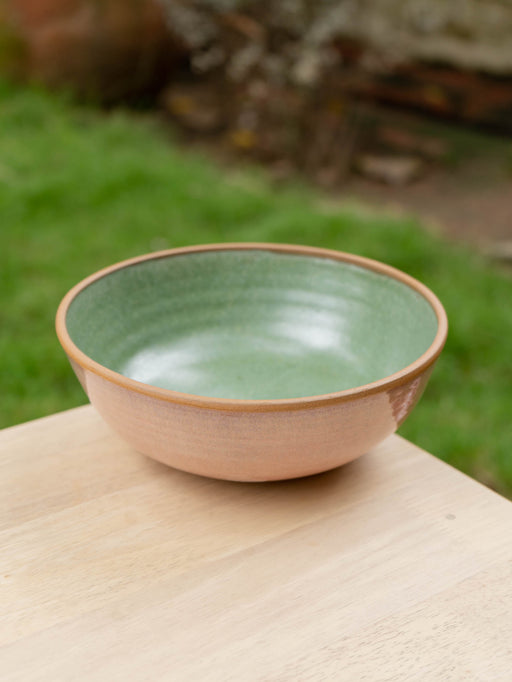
114	567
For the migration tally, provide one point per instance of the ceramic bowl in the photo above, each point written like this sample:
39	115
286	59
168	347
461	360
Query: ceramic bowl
252	362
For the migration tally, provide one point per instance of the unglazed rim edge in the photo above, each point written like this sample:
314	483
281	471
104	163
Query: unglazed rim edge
394	380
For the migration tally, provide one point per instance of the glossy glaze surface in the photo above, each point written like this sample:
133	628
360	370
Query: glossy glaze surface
251	324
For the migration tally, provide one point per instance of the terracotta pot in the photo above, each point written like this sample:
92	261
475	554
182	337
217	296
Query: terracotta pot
107	49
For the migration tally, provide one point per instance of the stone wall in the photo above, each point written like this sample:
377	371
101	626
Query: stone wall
474	34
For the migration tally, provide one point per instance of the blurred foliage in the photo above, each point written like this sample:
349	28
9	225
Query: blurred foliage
472	34
80	190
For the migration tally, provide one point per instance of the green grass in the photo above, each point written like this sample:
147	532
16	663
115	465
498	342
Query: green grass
80	190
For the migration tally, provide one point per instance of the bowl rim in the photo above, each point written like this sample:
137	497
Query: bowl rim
397	379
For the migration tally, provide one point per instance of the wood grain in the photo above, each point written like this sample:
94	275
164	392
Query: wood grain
394	567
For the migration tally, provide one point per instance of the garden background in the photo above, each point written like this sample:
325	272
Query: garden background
132	127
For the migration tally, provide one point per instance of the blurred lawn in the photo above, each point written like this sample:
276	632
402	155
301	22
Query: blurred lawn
79	190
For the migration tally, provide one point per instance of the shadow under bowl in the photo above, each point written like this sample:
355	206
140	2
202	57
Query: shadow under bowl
252	361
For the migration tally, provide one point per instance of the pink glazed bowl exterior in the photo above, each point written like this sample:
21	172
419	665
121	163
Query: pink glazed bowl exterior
254	440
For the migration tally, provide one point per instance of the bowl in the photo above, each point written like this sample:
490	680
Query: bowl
252	362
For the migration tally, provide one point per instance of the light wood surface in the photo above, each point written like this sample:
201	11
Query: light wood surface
114	567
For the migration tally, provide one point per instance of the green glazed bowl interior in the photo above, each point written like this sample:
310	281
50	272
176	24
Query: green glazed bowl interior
251	324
